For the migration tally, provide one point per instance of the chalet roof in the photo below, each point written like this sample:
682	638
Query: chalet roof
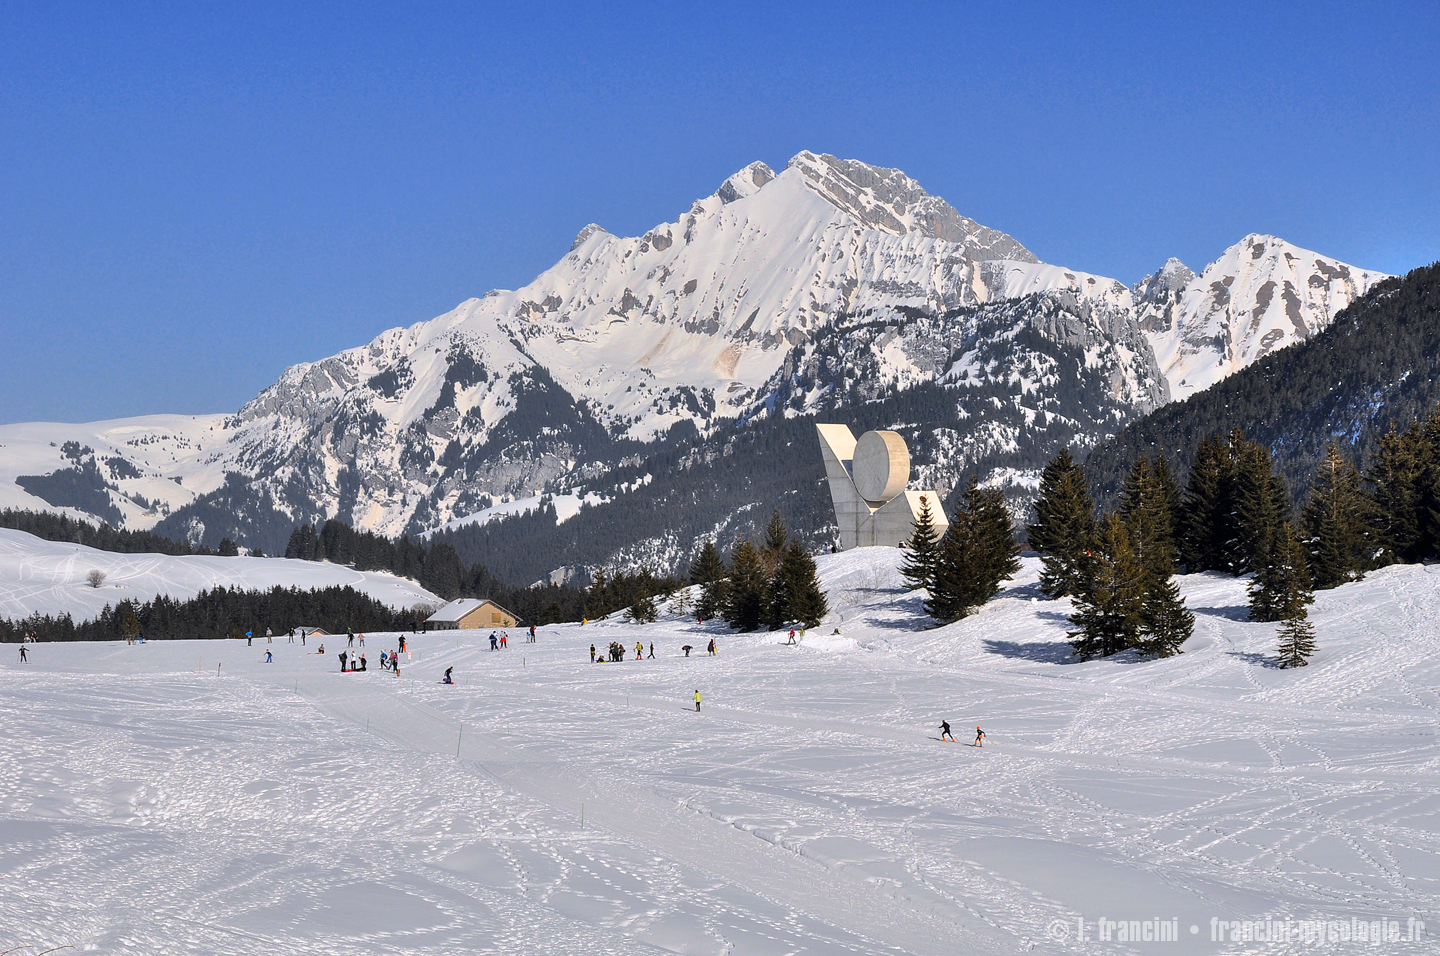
453	612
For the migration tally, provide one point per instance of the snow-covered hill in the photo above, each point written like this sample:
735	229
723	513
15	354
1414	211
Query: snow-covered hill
547	805
811	290
49	577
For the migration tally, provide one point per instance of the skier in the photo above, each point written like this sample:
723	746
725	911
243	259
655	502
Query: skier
402	642
269	658
268	636
350	637
447	679
639	650
532	633
494	641
395	663
697	701
714	651
384	661
652	649
592	653
979	737
362	639
945	731
505	639
343	655
23	655
792	636
249	639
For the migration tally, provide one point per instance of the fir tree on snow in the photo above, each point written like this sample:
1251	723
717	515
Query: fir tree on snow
1064	524
709	573
1282	590
1281	586
795	595
1147	507
745	602
1110	606
643	611
1234	503
1338	523
921	549
977	553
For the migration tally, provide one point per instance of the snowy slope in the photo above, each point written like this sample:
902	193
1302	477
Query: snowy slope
166	460
548	805
49	577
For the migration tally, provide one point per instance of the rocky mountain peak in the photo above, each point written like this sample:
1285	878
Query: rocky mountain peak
586	233
889	200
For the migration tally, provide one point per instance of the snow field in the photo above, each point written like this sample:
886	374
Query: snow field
50	577
149	805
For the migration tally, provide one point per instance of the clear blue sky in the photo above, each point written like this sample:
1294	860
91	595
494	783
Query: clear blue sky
194	196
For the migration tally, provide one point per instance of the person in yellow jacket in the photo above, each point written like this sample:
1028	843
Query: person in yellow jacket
697	701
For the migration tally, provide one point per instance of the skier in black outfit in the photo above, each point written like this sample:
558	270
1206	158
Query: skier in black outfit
979	737
447	679
23	656
945	731
343	655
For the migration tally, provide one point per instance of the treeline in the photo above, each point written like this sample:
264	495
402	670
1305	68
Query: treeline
439	569
223	612
56	527
771	586
1235	517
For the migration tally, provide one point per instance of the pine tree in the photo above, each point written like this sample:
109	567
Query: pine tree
776	537
1109	608
708	571
1166	622
920	550
1206	510
795	594
1262	505
1393	479
999	554
1337	523
1064	524
976	555
744	607
1281	586
643	611
1147	504
1297	641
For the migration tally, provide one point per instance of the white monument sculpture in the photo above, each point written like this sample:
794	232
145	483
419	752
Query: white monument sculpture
867	483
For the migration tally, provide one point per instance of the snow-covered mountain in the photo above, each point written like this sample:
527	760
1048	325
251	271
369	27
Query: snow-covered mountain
1262	294
827	286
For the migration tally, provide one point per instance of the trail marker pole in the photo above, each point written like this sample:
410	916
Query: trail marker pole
582	814
459	737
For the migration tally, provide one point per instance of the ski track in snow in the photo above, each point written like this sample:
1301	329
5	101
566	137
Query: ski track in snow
149	804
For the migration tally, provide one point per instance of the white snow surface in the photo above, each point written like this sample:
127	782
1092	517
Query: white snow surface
50	577
183	797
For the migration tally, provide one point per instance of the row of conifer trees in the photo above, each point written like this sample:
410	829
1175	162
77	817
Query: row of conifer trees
772	585
1234	516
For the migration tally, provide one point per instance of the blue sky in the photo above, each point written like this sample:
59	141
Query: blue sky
193	197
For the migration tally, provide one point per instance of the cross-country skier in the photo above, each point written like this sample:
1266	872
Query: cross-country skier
23	655
979	737
494	641
639	650
945	731
269	658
